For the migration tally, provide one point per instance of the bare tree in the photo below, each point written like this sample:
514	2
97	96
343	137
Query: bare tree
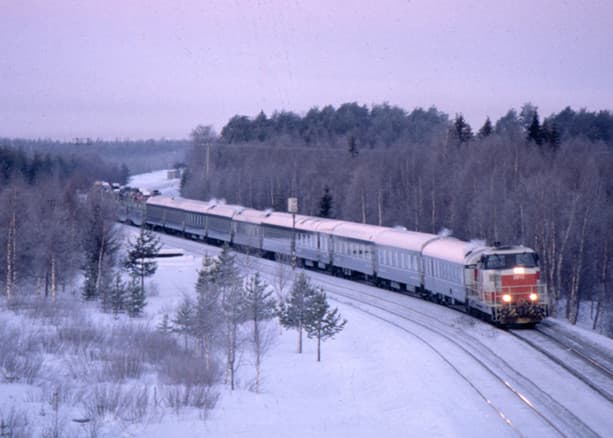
260	308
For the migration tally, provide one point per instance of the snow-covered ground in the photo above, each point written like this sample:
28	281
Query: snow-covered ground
157	180
374	380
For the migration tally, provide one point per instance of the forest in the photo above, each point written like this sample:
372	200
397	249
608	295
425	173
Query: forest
133	156
519	180
50	231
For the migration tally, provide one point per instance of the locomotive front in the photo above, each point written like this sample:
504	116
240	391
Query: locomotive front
507	284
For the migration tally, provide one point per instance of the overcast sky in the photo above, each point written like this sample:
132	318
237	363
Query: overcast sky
158	68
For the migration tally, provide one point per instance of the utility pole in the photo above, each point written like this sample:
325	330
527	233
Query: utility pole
292	207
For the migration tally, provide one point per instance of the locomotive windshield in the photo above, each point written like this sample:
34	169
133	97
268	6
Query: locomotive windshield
510	261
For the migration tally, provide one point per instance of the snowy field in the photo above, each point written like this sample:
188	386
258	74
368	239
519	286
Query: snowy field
375	379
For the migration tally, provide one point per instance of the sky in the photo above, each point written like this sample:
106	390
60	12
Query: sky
158	68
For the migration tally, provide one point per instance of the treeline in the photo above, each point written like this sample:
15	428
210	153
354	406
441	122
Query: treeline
381	125
76	171
49	233
358	126
138	156
497	184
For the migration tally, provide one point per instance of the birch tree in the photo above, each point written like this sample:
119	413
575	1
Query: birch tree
260	307
208	315
229	281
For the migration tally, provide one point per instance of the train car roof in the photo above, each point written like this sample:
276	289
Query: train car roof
178	203
282	219
250	215
447	248
399	238
323	225
222	210
352	230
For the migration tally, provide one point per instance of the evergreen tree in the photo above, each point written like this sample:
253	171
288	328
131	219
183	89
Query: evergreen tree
208	316
293	313
226	272
534	130
136	300
321	322
164	326
461	129
260	306
234	315
140	261
228	281
550	134
325	204
118	296
487	129
353	147
184	318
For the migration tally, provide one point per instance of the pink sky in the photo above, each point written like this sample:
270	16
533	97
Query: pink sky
143	69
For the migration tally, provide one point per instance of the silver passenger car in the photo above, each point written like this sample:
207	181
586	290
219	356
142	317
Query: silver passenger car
353	247
443	267
247	227
399	256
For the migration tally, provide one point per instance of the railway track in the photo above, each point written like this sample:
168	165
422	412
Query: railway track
578	361
530	395
441	338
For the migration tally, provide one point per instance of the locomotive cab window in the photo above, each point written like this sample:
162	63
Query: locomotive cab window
509	261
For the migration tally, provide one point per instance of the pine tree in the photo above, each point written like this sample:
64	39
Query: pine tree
234	315
461	129
325	204
321	322
183	319
292	314
136	300
535	133
487	129
164	326
554	137
208	317
226	272
140	261
118	296
260	306
228	281
353	147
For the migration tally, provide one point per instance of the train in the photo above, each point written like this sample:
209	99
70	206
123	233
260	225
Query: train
498	283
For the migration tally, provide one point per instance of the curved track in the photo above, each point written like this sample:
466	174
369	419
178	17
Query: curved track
578	362
440	337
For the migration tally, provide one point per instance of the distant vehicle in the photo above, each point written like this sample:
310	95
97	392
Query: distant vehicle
498	283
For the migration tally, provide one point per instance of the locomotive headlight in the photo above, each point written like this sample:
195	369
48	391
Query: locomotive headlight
519	270
534	297
506	298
